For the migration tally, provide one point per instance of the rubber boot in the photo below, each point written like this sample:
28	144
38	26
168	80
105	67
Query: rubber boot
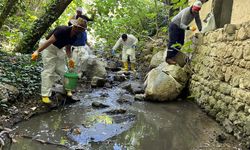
69	93
125	66
170	61
46	100
133	67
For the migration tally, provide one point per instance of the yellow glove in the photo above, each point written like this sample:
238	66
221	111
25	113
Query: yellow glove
34	56
193	28
71	63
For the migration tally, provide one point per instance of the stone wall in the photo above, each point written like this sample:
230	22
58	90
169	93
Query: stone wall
221	79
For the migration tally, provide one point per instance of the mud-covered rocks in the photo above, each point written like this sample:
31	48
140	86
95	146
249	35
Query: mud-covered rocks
120	77
99	105
98	82
165	82
133	87
139	97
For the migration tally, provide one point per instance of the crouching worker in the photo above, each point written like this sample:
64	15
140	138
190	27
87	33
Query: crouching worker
177	28
128	50
53	55
81	50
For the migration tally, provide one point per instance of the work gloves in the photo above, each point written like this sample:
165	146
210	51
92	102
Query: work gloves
134	46
113	52
71	63
193	28
34	56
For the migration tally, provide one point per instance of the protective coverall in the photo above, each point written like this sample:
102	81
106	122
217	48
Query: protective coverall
81	52
128	50
54	60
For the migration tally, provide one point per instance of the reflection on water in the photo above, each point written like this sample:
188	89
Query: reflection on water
169	126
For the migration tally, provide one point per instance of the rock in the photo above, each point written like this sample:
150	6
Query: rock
120	77
228	125
116	111
104	94
97	82
165	82
247	126
139	97
230	28
123	101
221	138
112	66
75	98
242	34
157	59
8	92
133	87
88	64
246	53
58	88
107	85
99	105
148	57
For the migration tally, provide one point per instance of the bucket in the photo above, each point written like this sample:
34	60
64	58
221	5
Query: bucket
70	80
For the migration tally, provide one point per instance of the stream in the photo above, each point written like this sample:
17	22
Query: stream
121	123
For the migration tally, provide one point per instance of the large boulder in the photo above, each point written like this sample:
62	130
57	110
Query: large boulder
88	64
165	82
159	58
94	67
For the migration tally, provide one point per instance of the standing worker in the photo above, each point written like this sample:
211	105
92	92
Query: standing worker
128	51
79	12
53	55
178	26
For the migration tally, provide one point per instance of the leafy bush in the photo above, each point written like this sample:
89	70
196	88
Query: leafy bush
21	72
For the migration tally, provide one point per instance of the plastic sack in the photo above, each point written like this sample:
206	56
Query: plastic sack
210	23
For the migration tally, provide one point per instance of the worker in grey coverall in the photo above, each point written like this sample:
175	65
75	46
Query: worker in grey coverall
177	28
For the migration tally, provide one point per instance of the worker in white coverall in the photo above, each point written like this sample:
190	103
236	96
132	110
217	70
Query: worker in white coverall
54	57
128	51
81	47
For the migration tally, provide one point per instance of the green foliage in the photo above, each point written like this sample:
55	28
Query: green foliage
20	21
186	48
20	72
112	18
133	17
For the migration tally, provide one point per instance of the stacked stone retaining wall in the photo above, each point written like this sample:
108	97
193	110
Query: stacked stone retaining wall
221	79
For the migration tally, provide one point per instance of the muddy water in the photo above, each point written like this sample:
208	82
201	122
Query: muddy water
145	126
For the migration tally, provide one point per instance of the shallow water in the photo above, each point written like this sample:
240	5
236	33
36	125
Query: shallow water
177	125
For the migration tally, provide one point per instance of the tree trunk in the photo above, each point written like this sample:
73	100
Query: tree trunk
6	11
55	9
